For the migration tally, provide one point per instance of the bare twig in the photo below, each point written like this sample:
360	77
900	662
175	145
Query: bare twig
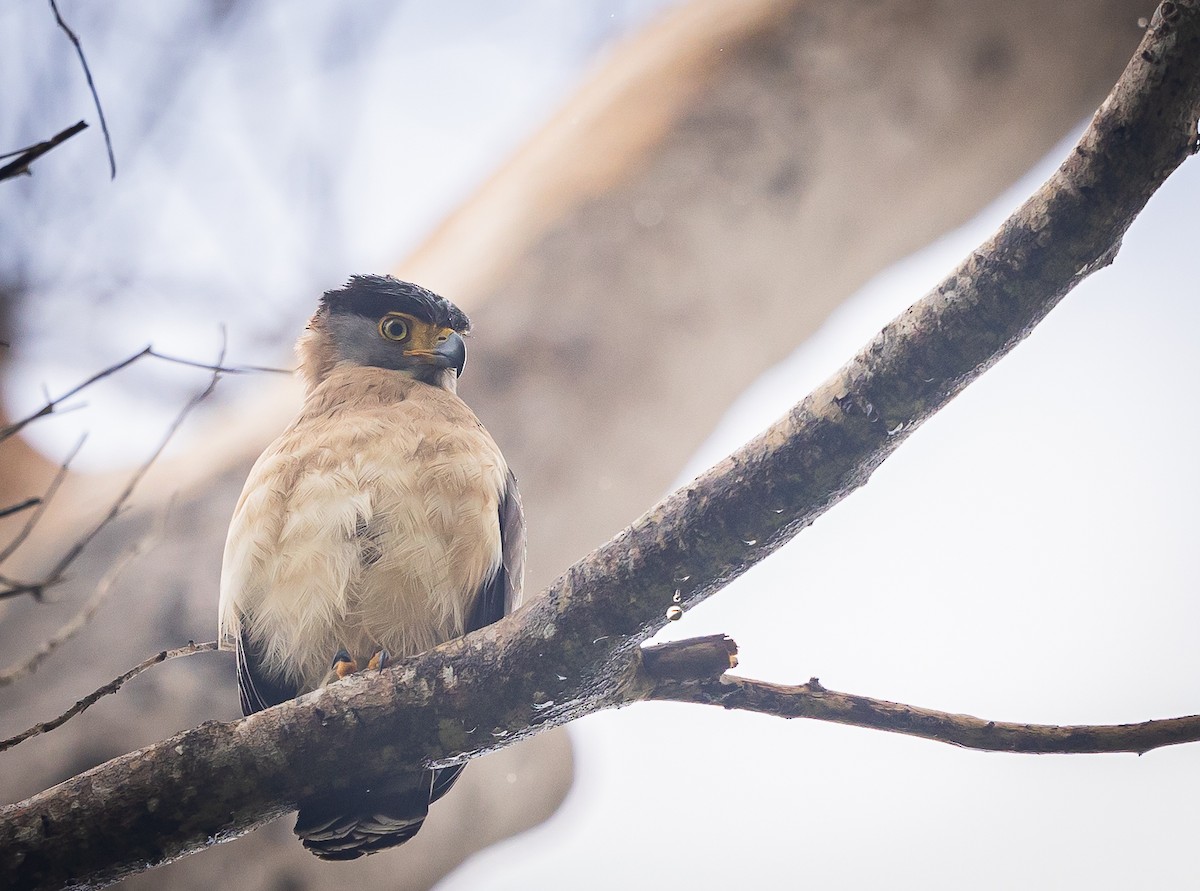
111	687
52	405
57	572
4	344
19	506
224	369
678	675
27	156
43	502
87	72
104	589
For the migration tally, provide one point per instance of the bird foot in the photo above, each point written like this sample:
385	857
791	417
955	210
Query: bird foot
343	664
381	660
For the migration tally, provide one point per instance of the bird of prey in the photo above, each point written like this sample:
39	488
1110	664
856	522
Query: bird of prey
381	523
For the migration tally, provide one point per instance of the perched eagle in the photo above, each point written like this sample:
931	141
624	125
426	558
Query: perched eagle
382	522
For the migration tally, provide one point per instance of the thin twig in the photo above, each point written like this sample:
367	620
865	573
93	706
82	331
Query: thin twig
224	369
104	589
27	156
813	701
13	154
87	72
111	687
56	574
52	405
19	506
44	502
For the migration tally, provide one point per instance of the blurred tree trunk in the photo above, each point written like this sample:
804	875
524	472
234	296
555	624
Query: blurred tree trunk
629	272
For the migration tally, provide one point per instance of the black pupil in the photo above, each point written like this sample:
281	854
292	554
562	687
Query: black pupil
396	329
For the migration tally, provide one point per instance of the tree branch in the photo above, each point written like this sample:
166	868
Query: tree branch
19	506
51	405
111	687
44	502
813	701
87	73
27	156
100	595
14	588
575	650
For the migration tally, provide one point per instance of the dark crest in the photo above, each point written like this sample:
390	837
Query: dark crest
373	296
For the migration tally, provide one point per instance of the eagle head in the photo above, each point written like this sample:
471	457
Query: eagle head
382	322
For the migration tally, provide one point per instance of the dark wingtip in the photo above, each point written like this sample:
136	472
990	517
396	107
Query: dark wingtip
347	840
354	845
346	825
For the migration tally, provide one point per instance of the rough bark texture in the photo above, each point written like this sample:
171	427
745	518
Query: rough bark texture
574	650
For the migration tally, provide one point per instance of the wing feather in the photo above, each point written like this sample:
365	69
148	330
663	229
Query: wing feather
498	596
501	594
257	690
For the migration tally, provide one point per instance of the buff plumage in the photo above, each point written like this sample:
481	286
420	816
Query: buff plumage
383	519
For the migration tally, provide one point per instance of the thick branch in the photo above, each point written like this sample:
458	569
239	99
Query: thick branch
575	649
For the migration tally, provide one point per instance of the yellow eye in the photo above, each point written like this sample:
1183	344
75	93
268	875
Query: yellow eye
393	327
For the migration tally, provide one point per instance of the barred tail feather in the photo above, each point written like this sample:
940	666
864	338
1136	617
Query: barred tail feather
350	824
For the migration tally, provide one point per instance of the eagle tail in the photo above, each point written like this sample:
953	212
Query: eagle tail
350	824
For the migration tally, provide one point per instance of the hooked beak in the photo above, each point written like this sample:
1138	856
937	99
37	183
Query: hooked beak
451	353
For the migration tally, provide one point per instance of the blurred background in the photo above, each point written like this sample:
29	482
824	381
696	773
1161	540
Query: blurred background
668	220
